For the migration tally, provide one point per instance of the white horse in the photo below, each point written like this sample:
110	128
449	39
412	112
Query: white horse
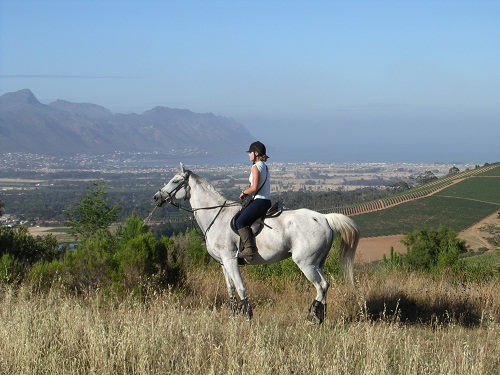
302	234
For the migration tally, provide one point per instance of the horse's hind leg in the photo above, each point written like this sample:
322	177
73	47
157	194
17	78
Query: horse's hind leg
316	276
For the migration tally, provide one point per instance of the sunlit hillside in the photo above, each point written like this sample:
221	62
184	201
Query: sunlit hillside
457	201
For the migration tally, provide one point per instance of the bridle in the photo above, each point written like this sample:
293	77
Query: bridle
170	195
170	198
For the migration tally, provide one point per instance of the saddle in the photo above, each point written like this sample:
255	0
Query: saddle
274	211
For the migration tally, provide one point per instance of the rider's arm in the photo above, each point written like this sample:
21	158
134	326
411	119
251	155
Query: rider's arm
255	182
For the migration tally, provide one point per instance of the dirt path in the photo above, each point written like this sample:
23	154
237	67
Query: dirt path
477	237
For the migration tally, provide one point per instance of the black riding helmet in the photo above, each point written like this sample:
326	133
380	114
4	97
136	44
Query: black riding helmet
258	147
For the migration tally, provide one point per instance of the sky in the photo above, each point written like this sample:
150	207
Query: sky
328	81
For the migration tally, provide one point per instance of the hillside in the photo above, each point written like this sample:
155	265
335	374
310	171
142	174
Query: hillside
62	127
457	201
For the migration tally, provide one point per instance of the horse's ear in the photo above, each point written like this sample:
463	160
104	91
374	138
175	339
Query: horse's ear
182	168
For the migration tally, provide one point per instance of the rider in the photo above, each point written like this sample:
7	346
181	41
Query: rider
260	188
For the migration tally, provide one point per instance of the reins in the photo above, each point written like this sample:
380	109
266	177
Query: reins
194	210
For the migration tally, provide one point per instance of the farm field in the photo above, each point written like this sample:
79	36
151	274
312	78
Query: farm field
61	233
459	206
431	211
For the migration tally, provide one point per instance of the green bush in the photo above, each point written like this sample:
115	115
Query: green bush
91	265
131	259
481	268
137	259
463	272
183	251
134	227
433	249
332	264
285	269
187	249
22	246
93	212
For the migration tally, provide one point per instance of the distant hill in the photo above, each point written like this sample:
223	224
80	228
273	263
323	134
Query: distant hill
62	127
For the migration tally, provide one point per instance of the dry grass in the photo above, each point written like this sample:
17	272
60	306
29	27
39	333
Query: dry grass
395	323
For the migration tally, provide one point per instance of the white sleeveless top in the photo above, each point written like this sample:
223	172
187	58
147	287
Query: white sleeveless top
265	191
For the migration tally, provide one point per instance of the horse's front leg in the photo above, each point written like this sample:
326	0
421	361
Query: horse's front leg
235	282
233	304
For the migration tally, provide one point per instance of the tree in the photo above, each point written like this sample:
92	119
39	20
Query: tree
93	213
1	207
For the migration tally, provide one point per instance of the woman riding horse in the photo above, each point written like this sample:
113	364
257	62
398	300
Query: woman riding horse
304	235
260	190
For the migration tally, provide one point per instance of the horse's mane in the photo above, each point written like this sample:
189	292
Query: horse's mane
205	184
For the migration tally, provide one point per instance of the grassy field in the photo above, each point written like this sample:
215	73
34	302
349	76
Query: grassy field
61	233
386	326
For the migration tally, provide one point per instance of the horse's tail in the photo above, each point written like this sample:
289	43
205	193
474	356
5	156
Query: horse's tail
349	235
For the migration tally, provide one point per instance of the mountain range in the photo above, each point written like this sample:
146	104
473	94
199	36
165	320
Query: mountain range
63	127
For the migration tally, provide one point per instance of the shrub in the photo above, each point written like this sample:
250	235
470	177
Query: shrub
480	268
332	263
285	269
24	247
134	227
131	259
91	264
183	251
187	249
136	260
434	249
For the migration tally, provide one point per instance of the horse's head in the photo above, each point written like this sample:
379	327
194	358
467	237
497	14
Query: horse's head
176	189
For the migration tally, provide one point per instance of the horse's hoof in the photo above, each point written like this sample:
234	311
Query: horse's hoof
313	319
248	313
247	310
316	313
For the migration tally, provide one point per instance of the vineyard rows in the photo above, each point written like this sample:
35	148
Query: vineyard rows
416	193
